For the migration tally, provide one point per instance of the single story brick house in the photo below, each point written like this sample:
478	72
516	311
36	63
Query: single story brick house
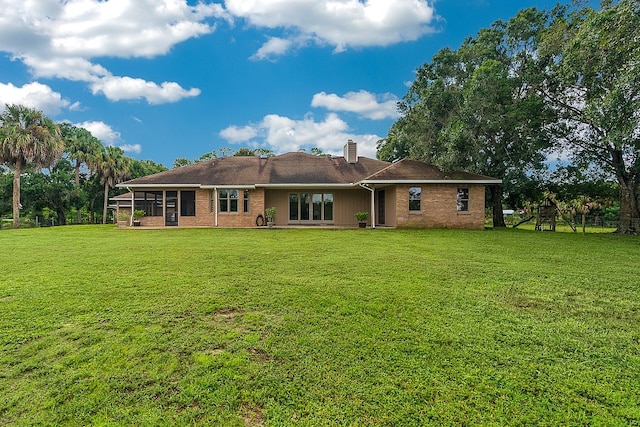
308	190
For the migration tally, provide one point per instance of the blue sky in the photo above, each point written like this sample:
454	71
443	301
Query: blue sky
164	79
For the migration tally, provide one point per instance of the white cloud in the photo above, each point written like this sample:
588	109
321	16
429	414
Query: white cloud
362	103
109	136
59	39
283	134
35	95
339	23
131	148
235	134
118	88
102	131
275	46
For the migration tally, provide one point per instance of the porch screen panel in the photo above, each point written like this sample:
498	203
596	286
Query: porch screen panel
187	203
149	201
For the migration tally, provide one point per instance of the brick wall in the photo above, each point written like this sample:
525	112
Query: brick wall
438	207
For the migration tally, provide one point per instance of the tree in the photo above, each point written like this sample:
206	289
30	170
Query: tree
6	182
27	136
82	148
477	108
140	168
180	161
113	167
594	86
54	190
262	152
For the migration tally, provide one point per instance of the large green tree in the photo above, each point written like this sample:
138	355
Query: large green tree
140	168
594	86
27	137
477	108
83	149
113	167
54	190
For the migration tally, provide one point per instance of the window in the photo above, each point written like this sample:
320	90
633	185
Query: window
187	203
462	199
415	195
150	202
246	201
228	200
317	207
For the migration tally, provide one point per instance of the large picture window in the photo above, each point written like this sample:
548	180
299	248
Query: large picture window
462	199
149	201
228	200
415	197
187	203
316	207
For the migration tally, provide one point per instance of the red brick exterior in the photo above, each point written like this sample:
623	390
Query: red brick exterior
438	208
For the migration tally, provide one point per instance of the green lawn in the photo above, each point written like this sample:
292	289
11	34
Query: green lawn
316	327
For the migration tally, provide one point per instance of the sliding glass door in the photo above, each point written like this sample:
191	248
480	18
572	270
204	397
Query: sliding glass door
310	208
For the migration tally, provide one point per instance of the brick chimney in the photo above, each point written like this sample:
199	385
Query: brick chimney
351	152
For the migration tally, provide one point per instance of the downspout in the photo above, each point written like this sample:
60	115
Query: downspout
133	200
215	205
373	203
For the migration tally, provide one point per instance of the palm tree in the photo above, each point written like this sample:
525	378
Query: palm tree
27	136
112	166
83	148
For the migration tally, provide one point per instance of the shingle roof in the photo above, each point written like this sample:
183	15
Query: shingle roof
296	168
413	170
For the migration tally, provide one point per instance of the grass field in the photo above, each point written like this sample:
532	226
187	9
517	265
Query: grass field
100	326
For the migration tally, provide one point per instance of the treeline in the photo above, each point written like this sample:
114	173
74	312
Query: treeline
519	95
58	173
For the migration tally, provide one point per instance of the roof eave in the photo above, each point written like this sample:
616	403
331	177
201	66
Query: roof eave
432	181
302	185
130	185
229	187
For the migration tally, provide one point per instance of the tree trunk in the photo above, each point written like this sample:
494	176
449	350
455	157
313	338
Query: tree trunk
92	213
629	206
106	201
62	219
79	217
16	192
496	192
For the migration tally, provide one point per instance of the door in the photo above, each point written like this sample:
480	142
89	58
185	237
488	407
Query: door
171	210
381	207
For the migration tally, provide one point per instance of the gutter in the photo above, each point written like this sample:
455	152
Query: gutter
294	185
133	205
125	185
433	181
373	203
227	187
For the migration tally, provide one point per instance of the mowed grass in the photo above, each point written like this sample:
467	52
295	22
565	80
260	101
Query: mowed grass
100	326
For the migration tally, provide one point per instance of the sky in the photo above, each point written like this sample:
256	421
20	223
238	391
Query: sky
168	79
